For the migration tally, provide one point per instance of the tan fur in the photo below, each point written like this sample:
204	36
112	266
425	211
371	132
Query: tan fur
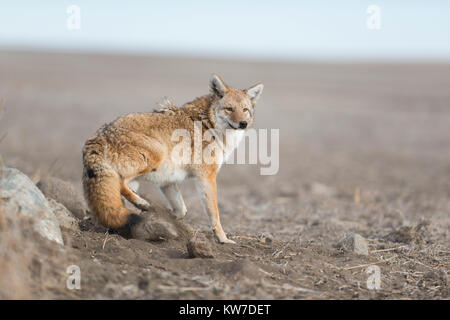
139	145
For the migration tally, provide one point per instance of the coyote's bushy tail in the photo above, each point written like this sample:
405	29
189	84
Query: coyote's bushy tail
101	185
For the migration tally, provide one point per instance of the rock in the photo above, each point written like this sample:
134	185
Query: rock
64	216
199	247
266	238
65	193
19	195
354	243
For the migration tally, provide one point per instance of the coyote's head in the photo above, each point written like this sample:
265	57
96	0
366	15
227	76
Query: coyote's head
233	108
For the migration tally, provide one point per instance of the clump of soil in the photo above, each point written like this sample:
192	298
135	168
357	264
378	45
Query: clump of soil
158	224
199	247
410	234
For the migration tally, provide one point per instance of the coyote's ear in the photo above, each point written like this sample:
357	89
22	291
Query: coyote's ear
255	92
218	87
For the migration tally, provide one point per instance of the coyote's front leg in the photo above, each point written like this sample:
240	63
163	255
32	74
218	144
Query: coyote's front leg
207	189
175	199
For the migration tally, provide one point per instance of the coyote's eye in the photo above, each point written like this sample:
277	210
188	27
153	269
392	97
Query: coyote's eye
229	109
246	110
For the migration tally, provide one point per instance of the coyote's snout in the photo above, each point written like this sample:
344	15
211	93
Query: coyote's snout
139	146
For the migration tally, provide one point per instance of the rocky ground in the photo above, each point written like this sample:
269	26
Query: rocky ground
363	181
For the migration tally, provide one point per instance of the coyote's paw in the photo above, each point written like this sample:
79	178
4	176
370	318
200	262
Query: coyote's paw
226	240
223	238
179	215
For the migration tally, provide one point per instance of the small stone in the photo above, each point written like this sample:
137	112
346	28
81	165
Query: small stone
265	238
65	193
354	243
199	247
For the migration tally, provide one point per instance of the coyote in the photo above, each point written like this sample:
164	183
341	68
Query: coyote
139	146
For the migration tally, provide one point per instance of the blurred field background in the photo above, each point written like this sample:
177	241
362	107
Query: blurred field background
364	118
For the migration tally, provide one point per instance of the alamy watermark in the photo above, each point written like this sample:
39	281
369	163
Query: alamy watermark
221	147
373	21
73	21
74	280
374	279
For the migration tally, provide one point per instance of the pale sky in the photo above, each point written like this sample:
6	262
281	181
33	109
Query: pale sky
296	30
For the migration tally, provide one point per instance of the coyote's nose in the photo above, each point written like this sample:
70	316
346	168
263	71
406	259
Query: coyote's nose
243	124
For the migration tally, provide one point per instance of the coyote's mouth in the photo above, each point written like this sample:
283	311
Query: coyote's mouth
231	125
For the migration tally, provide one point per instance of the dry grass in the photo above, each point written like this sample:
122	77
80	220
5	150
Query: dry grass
13	262
31	267
14	259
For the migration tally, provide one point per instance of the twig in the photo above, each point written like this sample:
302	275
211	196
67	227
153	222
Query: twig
49	171
368	264
3	136
389	249
37	176
240	255
287	286
275	254
265	272
183	289
245	237
423	264
414	274
357	196
106	239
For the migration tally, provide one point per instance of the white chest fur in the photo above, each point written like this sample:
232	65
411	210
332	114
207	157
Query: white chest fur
233	138
167	172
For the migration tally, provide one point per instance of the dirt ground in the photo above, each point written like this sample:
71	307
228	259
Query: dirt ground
364	148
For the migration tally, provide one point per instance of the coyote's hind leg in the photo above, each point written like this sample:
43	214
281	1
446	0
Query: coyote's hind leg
136	200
